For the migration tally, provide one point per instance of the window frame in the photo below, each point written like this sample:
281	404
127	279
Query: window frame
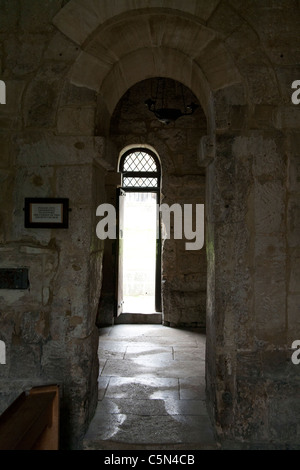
140	174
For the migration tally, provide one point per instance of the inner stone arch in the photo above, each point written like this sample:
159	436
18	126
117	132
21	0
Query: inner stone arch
183	181
156	63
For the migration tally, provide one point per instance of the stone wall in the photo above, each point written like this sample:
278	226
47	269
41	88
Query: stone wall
49	328
251	378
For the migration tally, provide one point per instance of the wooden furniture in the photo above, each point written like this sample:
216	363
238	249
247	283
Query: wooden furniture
31	422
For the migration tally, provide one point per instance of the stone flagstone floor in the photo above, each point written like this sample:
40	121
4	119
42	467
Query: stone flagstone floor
151	390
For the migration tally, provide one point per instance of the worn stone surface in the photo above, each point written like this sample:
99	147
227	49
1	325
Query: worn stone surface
154	394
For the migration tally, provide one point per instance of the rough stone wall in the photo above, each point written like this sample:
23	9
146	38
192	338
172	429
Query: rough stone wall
252	258
49	329
183	182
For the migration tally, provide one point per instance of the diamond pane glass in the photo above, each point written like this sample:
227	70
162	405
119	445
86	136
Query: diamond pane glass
139	161
139	182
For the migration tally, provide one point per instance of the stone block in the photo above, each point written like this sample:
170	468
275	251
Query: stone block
277	366
61	49
76	121
24	359
243	42
225	20
9	15
35	327
71	182
263	117
54	360
293	220
262	84
40	104
88	72
35	18
14	96
76	21
288	117
249	365
270	250
23	54
294	268
270	308
294	174
293	319
250	403
283	411
38	149
218	65
269	206
77	96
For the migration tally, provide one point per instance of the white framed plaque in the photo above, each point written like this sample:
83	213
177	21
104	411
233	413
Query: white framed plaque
46	212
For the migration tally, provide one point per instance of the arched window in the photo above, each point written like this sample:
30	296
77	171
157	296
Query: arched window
139	241
140	169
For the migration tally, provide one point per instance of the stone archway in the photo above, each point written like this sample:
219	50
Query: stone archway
183	182
194	56
220	54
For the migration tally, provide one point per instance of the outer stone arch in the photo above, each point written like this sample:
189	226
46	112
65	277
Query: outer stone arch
79	18
204	67
160	62
173	41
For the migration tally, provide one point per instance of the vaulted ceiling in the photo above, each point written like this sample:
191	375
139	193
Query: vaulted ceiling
206	45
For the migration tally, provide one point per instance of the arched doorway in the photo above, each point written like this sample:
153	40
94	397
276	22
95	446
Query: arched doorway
182	182
139	247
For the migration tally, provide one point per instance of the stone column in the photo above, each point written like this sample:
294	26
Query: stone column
50	328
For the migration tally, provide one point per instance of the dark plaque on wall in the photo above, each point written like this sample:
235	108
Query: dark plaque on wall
46	212
14	278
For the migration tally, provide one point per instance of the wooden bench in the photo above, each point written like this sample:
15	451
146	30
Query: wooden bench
31	422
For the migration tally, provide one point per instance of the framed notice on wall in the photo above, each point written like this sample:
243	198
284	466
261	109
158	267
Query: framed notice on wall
46	212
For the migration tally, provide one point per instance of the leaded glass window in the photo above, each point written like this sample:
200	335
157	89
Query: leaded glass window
140	169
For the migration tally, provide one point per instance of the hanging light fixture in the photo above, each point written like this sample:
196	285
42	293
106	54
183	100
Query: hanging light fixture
159	106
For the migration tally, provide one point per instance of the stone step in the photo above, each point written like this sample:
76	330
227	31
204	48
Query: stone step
139	318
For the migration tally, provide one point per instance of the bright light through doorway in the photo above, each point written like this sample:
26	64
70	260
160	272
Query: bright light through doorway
139	252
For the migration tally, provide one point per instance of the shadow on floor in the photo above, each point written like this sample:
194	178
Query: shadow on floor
151	390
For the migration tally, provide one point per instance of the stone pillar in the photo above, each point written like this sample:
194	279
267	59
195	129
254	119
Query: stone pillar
50	328
250	376
184	271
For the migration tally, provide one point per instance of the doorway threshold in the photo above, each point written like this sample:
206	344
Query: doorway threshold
139	319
